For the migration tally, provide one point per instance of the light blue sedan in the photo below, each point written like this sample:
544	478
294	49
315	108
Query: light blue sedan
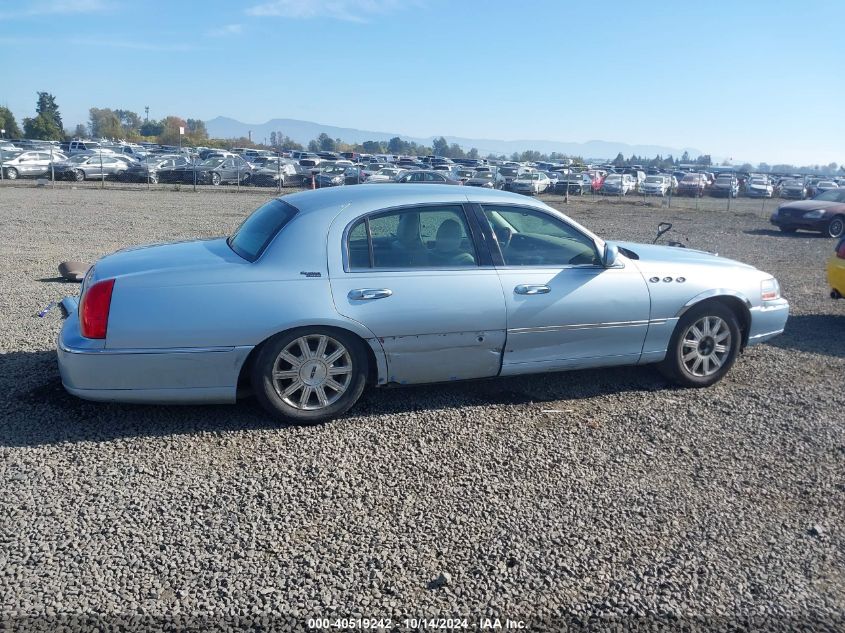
319	293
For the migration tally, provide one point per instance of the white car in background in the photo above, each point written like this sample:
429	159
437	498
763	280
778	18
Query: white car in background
655	185
759	187
532	183
618	184
386	174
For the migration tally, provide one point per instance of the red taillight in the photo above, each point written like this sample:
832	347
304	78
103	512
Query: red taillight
94	309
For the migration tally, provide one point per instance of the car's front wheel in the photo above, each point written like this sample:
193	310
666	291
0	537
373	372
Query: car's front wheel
703	347
11	173
79	175
836	227
310	375
215	178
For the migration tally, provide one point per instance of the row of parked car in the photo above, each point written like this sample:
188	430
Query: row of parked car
84	159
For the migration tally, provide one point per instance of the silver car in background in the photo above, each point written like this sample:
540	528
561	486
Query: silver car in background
319	293
29	164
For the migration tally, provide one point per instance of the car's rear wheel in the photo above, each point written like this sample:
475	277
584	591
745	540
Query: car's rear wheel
836	227
11	173
703	347
153	179
310	375
215	178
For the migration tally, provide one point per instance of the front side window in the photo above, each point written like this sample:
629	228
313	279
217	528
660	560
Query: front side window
422	237
528	237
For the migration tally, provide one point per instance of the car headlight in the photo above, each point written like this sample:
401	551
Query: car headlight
769	289
814	215
337	180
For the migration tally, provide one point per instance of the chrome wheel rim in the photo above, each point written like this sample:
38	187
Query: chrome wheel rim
312	372
836	228
705	346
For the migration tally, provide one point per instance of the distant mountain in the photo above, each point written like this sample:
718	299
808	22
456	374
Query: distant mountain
304	131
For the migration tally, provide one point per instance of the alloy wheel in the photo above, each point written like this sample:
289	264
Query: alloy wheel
312	372
706	345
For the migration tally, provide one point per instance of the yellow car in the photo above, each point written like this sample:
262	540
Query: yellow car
836	271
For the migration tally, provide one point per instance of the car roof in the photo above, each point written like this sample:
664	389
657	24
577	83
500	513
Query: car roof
384	196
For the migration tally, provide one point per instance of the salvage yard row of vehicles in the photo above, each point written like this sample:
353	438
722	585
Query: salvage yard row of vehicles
84	159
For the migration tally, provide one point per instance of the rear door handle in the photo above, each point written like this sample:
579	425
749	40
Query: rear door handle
532	289
365	294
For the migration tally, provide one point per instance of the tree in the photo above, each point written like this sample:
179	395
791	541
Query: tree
273	139
685	157
313	145
326	143
473	153
373	147
196	130
8	123
396	145
440	146
104	123
619	161
152	128
81	131
47	123
170	132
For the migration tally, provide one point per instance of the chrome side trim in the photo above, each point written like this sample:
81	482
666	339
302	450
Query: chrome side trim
709	294
166	350
586	326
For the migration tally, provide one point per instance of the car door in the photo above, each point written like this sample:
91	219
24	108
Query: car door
565	310
418	278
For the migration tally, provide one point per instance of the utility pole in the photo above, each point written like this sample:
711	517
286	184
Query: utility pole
147	114
249	133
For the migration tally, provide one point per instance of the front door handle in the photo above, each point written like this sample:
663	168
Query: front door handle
532	289
365	294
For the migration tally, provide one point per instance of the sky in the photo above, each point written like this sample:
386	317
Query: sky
752	80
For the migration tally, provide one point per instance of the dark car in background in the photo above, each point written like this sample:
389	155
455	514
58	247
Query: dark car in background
486	179
823	214
692	185
214	171
427	176
149	170
574	184
337	176
793	189
726	185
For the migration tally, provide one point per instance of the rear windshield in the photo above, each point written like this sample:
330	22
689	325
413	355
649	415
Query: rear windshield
259	229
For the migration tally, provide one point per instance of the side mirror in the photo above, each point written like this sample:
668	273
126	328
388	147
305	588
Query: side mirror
611	254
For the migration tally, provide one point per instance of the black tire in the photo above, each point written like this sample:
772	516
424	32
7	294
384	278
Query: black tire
788	229
674	366
215	178
153	180
121	176
836	227
79	175
245	179
268	359
11	173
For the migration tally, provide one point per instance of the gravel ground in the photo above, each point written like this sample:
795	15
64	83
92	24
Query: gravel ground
574	500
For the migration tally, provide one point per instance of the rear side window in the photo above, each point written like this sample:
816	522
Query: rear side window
259	229
423	237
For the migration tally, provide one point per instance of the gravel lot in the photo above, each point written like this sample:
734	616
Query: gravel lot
583	500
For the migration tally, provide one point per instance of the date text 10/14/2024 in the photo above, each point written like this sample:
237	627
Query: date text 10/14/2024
416	624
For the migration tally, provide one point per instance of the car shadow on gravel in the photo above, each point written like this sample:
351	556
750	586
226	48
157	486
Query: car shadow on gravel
779	233
814	333
38	411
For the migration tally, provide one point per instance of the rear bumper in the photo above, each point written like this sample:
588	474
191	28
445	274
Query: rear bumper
767	321
92	371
